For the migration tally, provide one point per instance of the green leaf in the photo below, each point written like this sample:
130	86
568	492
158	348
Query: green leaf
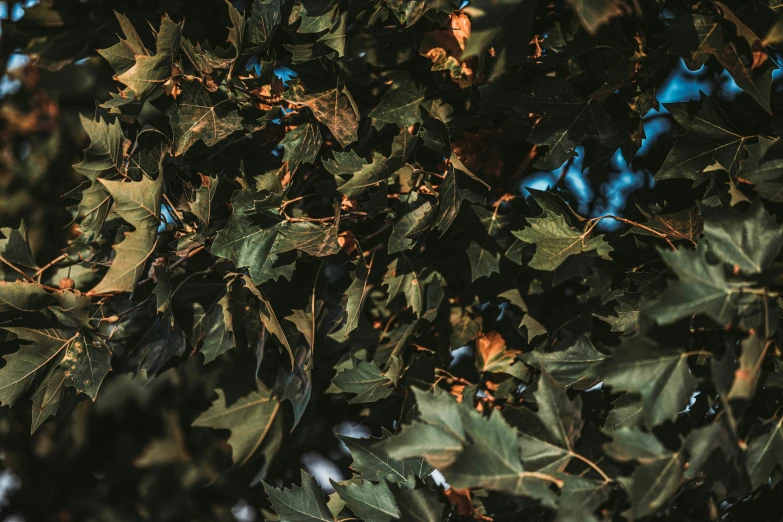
22	366
365	380
627	412
750	241
660	376
311	238
371	502
451	196
548	437
216	330
763	167
353	299
202	206
483	263
658	475
400	105
138	203
48	397
85	364
365	175
122	55
417	214
301	145
402	277
700	288
249	237
708	138
248	418
571	361
150	72
262	24
765	452
471	451
555	241
23	296
108	148
269	317
370	461
569	121
303	503
196	117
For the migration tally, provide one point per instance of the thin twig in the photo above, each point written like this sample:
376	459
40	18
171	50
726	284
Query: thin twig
176	263
51	263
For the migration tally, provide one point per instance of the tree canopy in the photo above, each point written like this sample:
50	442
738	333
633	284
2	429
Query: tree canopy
299	271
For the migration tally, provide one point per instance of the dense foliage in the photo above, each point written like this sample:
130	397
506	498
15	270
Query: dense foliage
297	222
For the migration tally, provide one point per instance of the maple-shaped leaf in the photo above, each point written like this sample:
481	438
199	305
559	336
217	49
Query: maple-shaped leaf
201	207
660	376
627	412
658	475
334	108
700	288
195	116
48	397
764	168
683	225
712	38
215	329
470	450
161	342
311	238
571	361
417	213
352	302
568	121
365	175
138	203
372	502
402	277
23	296
483	262
707	138
419	505
765	452
152	71
548	437
492	354
15	248
249	237
400	105
625	315
365	380
370	461
555	241
108	148
261	24
452	194
301	145
22	366
750	241
248	418
269	317
580	497
122	55
303	503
